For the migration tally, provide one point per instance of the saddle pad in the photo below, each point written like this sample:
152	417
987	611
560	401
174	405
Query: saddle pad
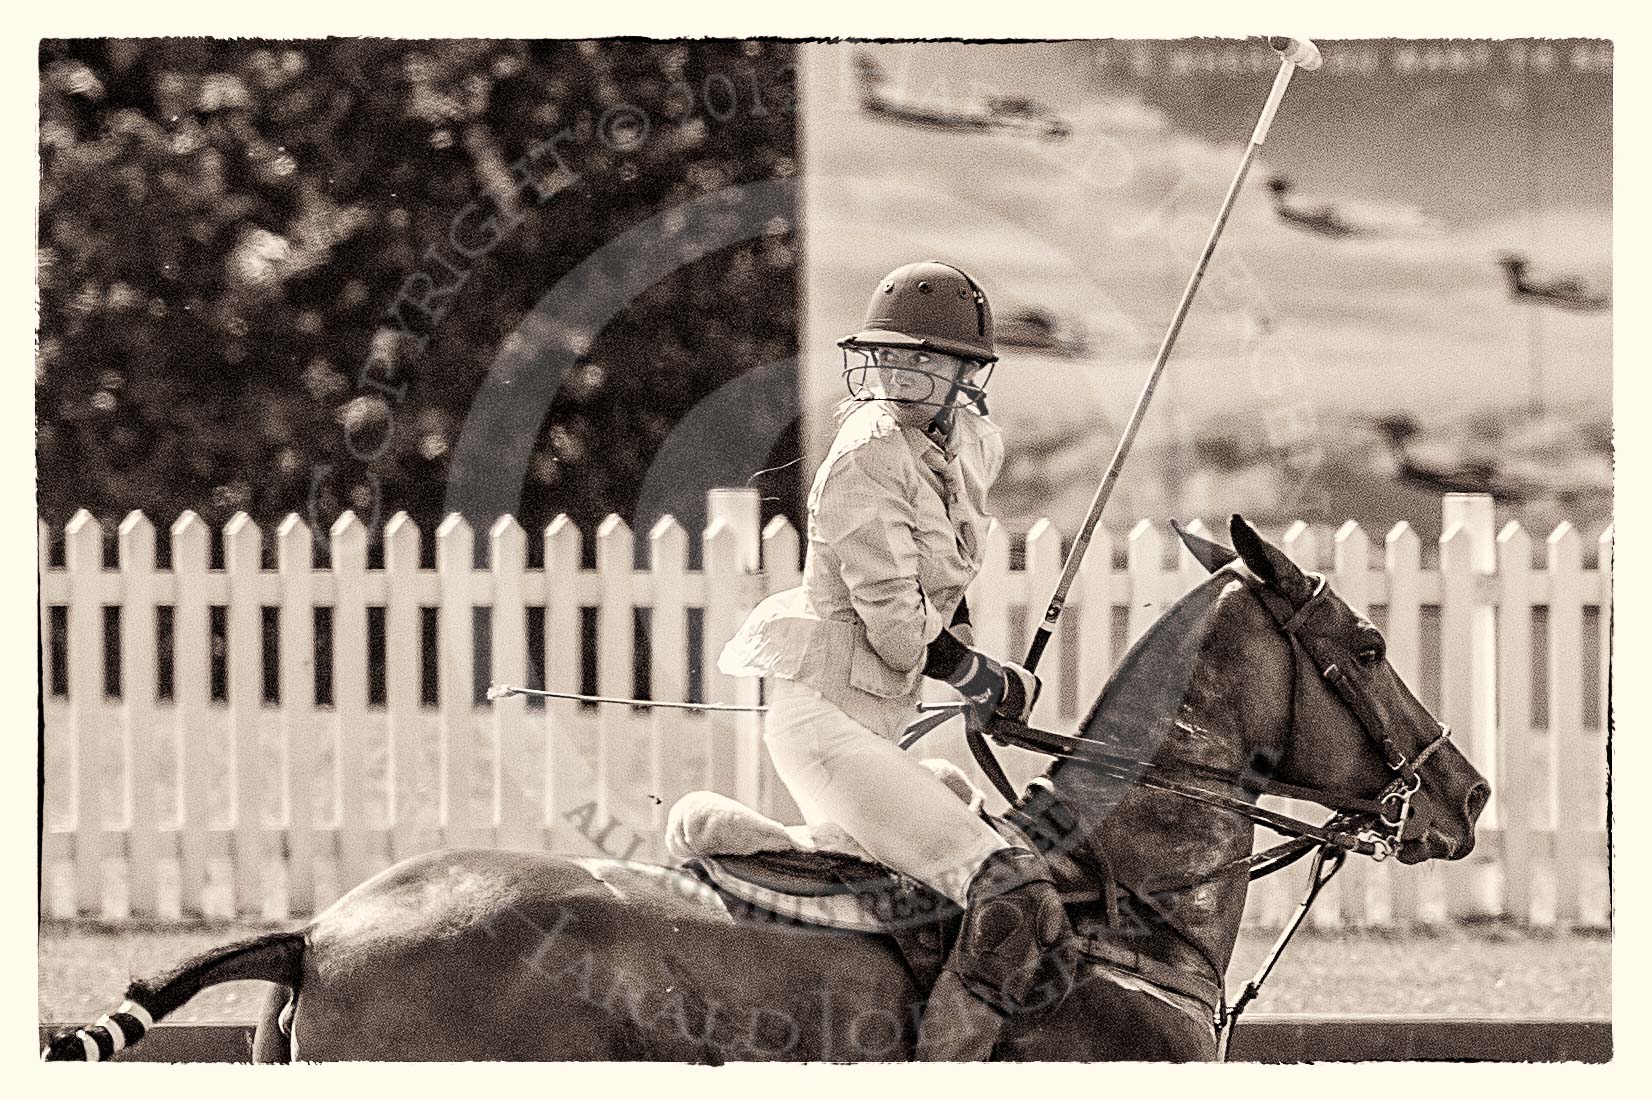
806	888
813	874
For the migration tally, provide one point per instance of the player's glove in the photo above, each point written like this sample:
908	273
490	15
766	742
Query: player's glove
992	688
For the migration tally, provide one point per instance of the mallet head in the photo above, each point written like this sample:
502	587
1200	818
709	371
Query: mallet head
1298	51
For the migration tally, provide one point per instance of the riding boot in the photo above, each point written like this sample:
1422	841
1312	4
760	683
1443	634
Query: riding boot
1015	952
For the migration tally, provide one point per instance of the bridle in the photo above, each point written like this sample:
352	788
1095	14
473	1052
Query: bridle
1385	833
1361	825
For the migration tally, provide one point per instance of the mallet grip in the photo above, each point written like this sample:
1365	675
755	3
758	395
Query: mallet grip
1041	639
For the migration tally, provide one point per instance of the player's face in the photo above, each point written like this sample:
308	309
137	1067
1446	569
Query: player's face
915	381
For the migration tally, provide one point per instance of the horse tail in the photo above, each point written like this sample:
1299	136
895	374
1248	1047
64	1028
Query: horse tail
274	957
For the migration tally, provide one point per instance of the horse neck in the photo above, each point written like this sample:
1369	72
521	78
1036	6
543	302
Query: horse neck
1195	690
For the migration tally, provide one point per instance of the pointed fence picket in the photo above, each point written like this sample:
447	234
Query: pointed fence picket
741	558
1403	633
461	815
513	800
359	854
725	610
167	775
300	770
1457	710
141	747
1519	774
669	754
566	784
83	561
243	543
1353	583
1145	571
1573	776
191	647
615	548
1094	592
412	824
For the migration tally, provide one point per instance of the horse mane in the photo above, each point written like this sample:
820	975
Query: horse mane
1165	671
1185	690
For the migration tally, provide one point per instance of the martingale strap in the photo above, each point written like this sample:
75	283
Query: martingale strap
1327	863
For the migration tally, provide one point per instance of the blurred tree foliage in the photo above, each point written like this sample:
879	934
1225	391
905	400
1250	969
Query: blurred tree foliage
232	234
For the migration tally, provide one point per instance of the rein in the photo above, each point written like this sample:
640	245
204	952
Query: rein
1360	824
1172	779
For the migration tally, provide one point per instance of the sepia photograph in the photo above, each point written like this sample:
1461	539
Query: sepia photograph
707	550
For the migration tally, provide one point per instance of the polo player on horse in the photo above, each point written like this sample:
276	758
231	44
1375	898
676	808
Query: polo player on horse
896	533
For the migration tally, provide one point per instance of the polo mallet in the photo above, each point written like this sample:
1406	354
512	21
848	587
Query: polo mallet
1294	54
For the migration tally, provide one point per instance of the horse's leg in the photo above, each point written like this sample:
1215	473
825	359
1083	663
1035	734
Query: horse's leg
1103	1021
269	1042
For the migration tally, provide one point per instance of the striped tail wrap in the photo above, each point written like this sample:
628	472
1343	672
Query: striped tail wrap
274	957
100	1041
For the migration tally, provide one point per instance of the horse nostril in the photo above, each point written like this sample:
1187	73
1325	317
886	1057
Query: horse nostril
1475	801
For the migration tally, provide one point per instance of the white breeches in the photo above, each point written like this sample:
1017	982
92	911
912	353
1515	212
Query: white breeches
901	813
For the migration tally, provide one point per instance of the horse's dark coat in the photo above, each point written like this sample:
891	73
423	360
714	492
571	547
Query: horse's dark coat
549	957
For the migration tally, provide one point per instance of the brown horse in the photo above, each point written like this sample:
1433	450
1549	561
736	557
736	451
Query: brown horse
1260	676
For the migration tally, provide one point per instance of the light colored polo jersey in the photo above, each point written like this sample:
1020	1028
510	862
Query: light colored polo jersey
896	533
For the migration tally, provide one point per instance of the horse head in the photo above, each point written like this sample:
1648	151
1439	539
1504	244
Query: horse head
1352	725
1259	681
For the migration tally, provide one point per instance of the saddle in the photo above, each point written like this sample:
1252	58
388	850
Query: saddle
817	876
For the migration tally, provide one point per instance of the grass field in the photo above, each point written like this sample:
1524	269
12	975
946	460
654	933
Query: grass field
1478	970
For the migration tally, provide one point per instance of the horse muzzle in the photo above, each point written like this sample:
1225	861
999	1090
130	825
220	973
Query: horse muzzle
1434	844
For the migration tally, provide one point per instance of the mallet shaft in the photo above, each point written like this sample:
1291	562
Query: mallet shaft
1069	569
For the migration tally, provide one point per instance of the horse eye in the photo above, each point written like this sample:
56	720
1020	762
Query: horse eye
1371	655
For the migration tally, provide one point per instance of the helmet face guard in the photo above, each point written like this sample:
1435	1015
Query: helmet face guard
911	376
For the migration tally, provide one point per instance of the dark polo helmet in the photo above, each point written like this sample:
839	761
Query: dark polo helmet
928	305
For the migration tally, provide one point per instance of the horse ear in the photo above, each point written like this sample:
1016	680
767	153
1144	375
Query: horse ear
1212	556
1268	562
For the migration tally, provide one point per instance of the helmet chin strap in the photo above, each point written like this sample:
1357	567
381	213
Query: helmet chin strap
940	426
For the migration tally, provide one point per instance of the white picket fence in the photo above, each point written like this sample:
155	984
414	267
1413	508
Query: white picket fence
203	797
